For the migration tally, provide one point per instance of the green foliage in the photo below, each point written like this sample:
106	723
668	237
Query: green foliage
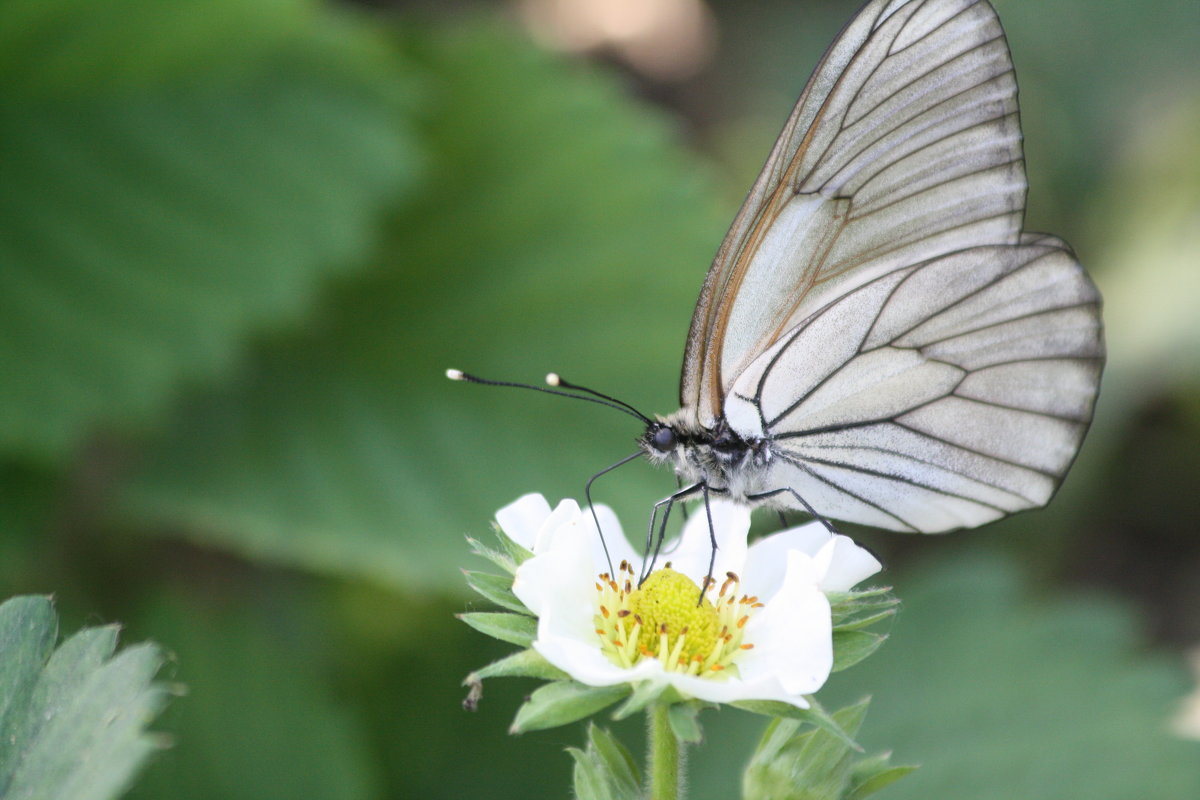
564	702
521	664
606	770
330	449
853	611
241	239
72	718
146	232
684	722
518	629
795	763
1000	694
815	715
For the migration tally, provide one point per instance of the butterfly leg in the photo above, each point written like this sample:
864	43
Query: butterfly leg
654	542
683	510
712	557
587	493
808	508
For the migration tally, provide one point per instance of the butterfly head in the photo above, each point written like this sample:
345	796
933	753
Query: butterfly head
660	442
717	456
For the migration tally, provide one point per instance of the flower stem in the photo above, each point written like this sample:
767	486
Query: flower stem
665	762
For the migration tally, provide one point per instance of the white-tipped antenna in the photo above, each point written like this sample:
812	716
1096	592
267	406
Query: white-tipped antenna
556	383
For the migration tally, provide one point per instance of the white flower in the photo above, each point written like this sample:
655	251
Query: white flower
764	631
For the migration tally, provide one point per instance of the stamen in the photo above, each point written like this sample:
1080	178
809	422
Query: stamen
661	619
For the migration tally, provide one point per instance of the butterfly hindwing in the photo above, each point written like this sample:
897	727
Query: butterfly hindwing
936	397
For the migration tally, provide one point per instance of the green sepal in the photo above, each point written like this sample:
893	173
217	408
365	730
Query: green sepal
563	702
645	694
858	623
503	560
515	629
522	664
861	595
851	610
496	588
527	663
852	646
685	722
606	770
516	552
814	715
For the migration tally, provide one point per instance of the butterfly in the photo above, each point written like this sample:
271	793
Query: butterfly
878	340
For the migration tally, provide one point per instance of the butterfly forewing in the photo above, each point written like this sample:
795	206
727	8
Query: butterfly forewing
904	146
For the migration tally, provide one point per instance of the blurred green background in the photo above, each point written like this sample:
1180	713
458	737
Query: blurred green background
240	241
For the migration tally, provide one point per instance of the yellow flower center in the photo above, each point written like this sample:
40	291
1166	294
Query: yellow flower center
661	619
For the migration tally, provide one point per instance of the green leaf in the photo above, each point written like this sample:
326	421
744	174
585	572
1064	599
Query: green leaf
497	589
148	228
71	720
564	702
560	220
606	770
814	764
517	629
75	47
999	693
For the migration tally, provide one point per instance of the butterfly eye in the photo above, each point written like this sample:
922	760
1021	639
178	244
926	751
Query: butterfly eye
663	440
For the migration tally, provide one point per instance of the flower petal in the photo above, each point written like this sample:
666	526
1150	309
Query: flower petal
766	562
560	642
842	564
612	537
560	573
730	524
789	571
793	632
735	689
522	519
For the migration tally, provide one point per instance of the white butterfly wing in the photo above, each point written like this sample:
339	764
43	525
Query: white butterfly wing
904	146
939	396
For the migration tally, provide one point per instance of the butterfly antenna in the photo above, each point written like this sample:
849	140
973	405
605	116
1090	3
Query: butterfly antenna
553	380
